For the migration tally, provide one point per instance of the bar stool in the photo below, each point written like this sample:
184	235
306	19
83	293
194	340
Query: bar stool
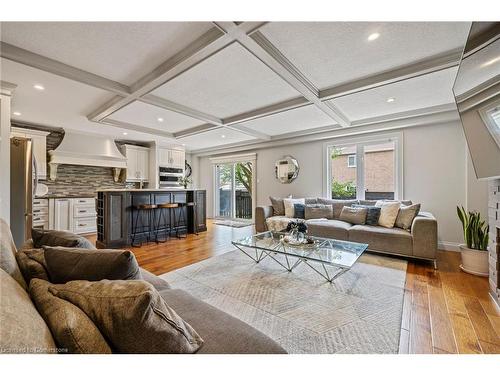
181	206
150	210
167	227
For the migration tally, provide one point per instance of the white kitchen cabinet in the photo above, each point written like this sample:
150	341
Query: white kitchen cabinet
137	162
77	215
39	142
171	158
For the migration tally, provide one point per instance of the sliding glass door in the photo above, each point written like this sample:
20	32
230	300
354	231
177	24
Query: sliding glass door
233	187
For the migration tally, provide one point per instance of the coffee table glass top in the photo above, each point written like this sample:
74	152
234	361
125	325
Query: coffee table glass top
329	251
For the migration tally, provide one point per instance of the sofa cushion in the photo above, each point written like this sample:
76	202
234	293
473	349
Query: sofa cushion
279	223
8	251
222	333
337	204
388	213
311	200
406	215
299	211
278	205
328	228
71	328
42	237
390	240
154	280
289	205
372	214
32	264
66	264
318	211
354	215
22	329
132	315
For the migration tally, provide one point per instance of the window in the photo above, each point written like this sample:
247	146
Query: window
351	161
491	117
368	168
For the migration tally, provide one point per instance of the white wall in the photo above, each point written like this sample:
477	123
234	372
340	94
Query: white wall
434	169
5	155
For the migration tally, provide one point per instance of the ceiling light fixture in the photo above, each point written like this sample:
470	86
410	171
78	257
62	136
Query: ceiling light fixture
125	133
223	136
390	100
16	113
491	62
373	36
160	119
38	87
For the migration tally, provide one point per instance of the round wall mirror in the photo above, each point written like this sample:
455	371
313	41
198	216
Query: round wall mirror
187	170
286	169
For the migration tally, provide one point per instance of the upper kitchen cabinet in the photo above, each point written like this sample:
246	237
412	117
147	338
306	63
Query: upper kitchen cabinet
173	158
39	144
137	162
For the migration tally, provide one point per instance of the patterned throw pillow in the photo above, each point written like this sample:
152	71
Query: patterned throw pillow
278	206
289	205
318	211
299	211
353	215
406	216
337	204
372	215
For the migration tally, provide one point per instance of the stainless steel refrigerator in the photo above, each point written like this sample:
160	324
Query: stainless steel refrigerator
23	181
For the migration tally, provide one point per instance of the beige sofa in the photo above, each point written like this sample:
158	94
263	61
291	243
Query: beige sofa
23	330
418	242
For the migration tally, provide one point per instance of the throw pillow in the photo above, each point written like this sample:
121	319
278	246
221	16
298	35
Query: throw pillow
372	215
337	204
318	211
354	215
406	216
299	210
132	315
388	213
67	264
42	237
278	206
71	328
289	203
32	264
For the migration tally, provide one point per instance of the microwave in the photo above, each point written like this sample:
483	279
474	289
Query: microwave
169	177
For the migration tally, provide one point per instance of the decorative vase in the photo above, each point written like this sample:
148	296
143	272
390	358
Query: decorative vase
474	261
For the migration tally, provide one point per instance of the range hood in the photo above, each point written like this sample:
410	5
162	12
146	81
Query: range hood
85	149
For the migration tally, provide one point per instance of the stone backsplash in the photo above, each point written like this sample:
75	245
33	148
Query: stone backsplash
75	179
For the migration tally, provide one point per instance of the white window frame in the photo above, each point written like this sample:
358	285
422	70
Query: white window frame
351	157
492	126
360	142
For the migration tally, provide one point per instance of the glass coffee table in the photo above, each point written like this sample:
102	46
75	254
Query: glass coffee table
328	257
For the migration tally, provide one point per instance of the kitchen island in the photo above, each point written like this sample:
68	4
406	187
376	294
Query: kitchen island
117	213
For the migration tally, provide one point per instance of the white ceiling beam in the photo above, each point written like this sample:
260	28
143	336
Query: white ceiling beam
137	128
46	64
266	52
202	48
430	65
196	130
179	108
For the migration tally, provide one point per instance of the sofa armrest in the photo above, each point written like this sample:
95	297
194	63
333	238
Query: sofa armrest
261	214
424	232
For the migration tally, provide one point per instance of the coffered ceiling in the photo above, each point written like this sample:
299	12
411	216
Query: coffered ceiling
212	85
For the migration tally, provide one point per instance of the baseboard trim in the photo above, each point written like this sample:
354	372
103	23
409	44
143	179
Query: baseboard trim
448	246
495	302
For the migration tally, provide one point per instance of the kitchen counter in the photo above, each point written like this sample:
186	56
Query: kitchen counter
67	196
118	216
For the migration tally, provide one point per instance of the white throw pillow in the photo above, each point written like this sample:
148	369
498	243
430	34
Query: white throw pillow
388	213
289	202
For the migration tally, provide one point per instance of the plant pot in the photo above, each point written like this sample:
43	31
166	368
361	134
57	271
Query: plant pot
474	261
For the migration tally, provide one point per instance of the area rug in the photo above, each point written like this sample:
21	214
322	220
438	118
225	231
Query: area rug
233	223
360	312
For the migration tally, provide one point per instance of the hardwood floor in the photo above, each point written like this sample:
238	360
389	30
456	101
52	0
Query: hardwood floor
445	311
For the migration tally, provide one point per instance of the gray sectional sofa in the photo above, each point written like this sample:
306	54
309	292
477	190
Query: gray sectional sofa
23	330
418	242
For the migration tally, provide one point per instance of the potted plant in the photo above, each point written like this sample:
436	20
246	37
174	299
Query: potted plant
184	181
475	250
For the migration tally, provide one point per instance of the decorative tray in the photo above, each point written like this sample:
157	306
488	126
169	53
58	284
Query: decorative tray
305	243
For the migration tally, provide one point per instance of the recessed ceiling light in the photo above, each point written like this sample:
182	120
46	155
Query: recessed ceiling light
125	133
160	119
223	136
16	113
373	36
183	144
390	100
38	87
491	62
